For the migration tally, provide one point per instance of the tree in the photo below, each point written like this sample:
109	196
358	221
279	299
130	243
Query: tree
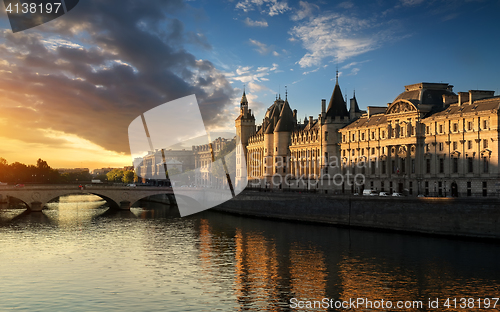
3	169
115	175
128	176
173	171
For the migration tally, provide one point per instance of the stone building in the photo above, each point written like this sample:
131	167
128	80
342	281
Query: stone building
203	160
428	141
199	160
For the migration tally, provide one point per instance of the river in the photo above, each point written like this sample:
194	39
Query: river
79	256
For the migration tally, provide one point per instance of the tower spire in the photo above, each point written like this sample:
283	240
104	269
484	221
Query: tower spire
337	75
244	100
286	94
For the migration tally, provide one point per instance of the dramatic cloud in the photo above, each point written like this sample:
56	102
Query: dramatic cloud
337	37
252	23
91	72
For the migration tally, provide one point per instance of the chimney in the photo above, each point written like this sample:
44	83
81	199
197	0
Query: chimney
449	99
463	97
479	95
310	121
323	106
295	115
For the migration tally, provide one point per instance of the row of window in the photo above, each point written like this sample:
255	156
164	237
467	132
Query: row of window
402	131
469	164
397	168
454	127
303	139
440	188
469	145
372	151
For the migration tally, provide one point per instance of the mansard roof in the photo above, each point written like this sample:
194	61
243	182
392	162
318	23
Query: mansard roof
466	108
337	106
307	126
426	93
366	122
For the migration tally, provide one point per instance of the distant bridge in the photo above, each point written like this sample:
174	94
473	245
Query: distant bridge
37	196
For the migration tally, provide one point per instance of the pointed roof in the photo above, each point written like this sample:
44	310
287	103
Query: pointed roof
356	107
270	128
285	122
337	106
274	110
244	98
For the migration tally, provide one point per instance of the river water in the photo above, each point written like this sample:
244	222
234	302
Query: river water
78	256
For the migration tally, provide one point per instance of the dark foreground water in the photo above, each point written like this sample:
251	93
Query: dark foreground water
77	256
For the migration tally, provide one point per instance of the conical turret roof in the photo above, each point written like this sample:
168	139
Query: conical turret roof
337	105
244	98
285	122
356	107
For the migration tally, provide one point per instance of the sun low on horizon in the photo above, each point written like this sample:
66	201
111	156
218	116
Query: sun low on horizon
74	152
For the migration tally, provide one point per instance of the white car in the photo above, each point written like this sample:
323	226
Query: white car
370	193
397	195
131	185
383	194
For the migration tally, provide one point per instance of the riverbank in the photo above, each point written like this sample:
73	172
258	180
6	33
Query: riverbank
462	217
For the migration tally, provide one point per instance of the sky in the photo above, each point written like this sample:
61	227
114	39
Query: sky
70	88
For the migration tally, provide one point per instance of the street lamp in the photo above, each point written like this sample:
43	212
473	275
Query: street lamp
444	188
435	192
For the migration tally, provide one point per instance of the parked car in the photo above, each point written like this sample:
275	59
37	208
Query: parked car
383	194
19	185
397	194
131	185
421	195
370	193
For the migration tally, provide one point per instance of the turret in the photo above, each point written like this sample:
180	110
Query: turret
354	110
245	128
337	107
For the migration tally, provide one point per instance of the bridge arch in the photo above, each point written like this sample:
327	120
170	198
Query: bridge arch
37	196
111	202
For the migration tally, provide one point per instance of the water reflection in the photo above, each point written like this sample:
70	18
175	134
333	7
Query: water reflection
78	255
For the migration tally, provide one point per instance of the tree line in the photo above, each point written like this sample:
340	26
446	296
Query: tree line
42	173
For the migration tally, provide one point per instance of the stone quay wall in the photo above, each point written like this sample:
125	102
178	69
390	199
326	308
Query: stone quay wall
468	217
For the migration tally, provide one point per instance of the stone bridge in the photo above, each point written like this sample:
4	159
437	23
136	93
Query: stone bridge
36	196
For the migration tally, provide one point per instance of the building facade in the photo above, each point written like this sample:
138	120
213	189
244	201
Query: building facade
428	141
195	163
